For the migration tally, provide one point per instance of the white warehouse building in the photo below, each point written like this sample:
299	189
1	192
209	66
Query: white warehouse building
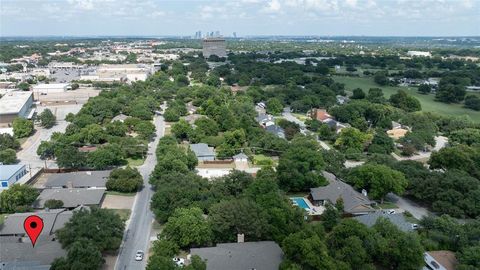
51	88
10	174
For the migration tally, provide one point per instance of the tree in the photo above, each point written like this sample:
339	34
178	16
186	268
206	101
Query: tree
47	119
331	217
124	180
381	143
69	157
75	86
23	86
233	143
358	93
7	141
300	166
405	102
105	156
187	228
274	106
46	150
459	157
469	258
375	95
378	180
53	204
468	136
451	89
238	216
381	78
145	129
116	128
182	130
472	102
8	156
171	115
206	126
424	89
352	138
102	226
17	196
22	127
82	255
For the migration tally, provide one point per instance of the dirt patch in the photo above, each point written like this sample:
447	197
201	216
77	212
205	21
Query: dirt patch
118	202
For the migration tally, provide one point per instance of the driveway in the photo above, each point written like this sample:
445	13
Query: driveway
440	142
405	204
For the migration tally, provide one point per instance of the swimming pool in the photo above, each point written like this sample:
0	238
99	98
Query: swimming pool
300	202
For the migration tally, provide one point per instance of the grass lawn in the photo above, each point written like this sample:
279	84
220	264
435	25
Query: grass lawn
387	205
135	162
168	131
427	101
262	160
120	193
123	213
2	218
301	117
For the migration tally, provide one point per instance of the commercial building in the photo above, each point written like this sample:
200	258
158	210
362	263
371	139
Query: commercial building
214	46
15	104
419	54
10	174
264	255
120	73
46	88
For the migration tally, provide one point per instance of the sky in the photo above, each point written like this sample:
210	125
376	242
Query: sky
245	17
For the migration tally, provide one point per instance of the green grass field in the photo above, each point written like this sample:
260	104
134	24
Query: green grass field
427	101
135	162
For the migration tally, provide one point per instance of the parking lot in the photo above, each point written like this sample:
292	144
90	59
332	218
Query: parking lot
78	96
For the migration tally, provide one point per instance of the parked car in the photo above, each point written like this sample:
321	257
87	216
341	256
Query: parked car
179	261
391	212
139	255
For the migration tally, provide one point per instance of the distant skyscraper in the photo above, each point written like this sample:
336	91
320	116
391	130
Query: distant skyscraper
217	33
214	46
199	34
234	34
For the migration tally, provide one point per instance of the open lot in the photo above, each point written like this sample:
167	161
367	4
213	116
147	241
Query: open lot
428	101
118	202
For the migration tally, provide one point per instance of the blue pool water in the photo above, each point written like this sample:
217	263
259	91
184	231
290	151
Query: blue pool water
300	202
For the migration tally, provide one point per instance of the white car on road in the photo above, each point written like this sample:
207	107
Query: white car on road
139	255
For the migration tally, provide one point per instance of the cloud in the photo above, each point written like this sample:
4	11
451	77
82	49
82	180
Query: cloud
273	6
82	4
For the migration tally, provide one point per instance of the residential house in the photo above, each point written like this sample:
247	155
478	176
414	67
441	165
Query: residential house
203	152
320	115
265	120
355	203
85	179
263	255
440	260
121	117
71	197
16	250
276	130
397	219
342	99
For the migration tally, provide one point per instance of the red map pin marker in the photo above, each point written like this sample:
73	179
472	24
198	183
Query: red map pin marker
33	225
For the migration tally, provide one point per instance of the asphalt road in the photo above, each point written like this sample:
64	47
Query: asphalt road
137	235
405	204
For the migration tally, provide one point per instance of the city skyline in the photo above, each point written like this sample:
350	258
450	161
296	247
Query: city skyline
245	17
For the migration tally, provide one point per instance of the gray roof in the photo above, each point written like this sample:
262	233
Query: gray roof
71	197
15	255
121	117
397	219
78	179
354	202
265	255
53	220
240	156
202	150
263	117
276	130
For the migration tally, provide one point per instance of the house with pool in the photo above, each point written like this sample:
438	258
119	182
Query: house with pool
306	205
355	203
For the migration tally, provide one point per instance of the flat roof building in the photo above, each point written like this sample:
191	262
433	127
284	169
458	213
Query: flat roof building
85	179
15	104
214	46
51	88
10	174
